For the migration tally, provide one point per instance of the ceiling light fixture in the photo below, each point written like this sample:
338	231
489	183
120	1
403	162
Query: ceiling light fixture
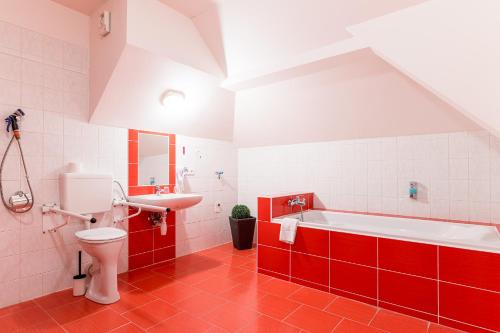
173	99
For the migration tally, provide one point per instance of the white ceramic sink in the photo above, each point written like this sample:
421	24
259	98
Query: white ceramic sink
173	201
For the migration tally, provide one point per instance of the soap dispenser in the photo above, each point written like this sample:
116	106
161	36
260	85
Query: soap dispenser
413	190
163	224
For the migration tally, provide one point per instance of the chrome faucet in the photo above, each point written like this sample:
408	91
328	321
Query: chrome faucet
297	201
158	190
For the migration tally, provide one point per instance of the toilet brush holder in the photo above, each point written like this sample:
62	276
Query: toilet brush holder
79	279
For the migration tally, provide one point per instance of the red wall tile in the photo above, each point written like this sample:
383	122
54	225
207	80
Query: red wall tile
133	135
272	259
140	190
140	260
171	218
409	291
269	234
310	200
171	155
164	254
133	153
280	206
408	257
133	174
470	305
139	222
312	241
161	241
264	209
353	248
357	279
471	268
310	268
140	241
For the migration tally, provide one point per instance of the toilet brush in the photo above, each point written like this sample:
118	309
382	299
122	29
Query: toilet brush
79	280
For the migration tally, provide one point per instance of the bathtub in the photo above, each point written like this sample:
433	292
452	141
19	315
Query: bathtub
466	236
440	271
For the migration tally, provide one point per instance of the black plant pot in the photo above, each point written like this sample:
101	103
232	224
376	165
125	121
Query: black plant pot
242	232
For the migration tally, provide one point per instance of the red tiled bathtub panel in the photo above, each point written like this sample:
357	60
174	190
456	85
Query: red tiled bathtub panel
459	288
470	305
309	268
353	248
269	234
470	268
273	259
408	257
312	241
409	291
353	278
264	209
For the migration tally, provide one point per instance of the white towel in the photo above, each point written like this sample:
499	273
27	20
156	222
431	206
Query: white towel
288	230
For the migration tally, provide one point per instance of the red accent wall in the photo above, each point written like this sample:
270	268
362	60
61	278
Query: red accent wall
455	287
146	245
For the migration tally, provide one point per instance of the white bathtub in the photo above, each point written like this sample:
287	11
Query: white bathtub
468	236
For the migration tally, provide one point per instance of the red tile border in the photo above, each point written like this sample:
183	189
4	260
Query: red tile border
157	248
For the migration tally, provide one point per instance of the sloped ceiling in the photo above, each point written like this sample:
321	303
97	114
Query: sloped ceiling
245	35
449	47
136	63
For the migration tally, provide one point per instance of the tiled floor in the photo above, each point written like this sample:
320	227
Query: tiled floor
216	290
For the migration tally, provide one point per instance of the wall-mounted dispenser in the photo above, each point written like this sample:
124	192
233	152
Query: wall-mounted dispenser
413	190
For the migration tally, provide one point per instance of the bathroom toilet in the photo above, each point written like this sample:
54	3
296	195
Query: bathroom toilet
104	245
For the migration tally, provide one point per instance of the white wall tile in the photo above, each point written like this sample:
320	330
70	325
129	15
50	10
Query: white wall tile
54	95
10	67
458	174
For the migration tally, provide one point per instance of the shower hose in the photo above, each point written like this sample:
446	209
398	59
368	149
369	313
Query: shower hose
29	201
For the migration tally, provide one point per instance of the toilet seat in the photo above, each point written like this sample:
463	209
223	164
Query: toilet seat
101	235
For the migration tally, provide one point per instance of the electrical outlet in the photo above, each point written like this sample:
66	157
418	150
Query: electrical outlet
218	207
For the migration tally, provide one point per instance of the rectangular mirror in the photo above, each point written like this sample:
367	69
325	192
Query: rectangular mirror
153	159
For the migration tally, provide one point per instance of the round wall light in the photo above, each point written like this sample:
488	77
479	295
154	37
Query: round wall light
173	99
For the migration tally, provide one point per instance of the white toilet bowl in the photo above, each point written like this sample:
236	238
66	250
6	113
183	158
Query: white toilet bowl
104	245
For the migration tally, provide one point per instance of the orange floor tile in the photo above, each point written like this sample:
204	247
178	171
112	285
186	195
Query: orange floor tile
216	290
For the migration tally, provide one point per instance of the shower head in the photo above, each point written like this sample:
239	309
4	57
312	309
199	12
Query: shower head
12	122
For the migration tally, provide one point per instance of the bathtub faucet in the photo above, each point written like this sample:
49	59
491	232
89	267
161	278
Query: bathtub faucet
297	201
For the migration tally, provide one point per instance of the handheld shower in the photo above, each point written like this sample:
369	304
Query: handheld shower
20	202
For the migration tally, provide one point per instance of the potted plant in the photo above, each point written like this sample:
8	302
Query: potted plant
242	227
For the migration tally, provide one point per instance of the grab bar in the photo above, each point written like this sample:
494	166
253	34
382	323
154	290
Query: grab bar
151	208
53	208
121	219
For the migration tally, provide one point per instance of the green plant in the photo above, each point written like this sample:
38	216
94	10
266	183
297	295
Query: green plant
240	212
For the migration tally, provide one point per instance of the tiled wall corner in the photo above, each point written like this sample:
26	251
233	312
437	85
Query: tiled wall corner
200	227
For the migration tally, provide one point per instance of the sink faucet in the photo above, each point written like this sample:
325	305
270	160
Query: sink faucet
297	201
158	190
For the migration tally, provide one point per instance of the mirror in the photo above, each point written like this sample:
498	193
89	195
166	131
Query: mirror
153	159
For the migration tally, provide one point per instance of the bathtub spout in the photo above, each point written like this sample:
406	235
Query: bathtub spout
297	201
